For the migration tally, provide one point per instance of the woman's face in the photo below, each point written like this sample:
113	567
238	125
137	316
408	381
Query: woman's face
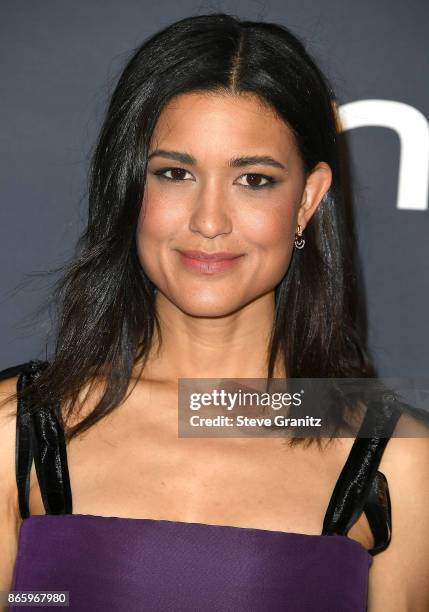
207	191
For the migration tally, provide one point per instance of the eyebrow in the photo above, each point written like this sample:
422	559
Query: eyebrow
236	162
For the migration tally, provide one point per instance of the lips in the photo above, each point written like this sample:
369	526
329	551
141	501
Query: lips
201	262
203	256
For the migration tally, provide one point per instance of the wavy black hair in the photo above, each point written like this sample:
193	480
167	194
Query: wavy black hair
105	303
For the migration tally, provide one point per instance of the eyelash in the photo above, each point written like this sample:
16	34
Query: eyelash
270	179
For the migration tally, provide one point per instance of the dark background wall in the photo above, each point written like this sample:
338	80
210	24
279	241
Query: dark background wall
58	63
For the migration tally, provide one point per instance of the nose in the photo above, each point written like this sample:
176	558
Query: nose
211	210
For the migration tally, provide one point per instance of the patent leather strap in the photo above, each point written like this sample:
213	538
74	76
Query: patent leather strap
39	437
377	509
360	486
23	456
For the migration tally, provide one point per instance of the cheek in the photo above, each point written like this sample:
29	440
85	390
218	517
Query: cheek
158	215
270	234
164	212
158	223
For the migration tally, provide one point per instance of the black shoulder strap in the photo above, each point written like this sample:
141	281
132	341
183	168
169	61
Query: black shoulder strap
40	437
23	458
360	486
378	512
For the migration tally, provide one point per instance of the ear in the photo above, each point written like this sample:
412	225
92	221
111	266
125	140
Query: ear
317	184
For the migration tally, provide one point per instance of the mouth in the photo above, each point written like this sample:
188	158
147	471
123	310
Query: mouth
209	263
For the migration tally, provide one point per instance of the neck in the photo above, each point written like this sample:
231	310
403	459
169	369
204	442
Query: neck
231	346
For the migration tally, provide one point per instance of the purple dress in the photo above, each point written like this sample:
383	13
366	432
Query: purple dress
126	564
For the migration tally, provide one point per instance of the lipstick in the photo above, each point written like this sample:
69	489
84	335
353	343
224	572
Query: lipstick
209	263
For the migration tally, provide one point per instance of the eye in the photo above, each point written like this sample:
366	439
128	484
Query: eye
254	180
177	174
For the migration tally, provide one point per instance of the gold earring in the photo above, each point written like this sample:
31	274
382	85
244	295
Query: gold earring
299	240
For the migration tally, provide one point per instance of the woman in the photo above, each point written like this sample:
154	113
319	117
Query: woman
221	137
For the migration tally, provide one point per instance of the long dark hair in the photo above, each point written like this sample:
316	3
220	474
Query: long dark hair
106	316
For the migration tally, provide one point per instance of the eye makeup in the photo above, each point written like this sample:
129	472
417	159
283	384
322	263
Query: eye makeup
270	181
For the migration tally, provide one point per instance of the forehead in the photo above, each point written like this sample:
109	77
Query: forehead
222	122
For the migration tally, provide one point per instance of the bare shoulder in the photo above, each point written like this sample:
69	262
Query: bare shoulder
399	578
9	515
7	433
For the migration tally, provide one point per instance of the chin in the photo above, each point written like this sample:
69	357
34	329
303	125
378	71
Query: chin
198	308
